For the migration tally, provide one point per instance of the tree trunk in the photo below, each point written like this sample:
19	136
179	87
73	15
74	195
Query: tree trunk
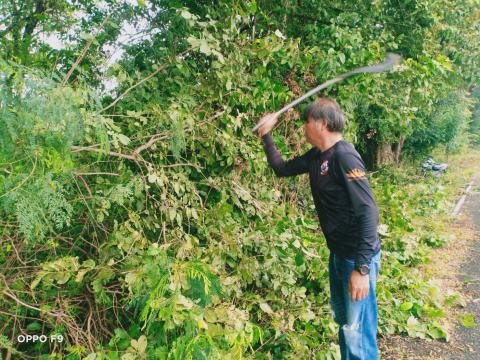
385	154
398	148
30	24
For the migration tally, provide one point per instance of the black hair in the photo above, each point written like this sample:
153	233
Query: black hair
326	109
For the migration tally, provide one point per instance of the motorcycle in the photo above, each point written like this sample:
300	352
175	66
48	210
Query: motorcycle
433	167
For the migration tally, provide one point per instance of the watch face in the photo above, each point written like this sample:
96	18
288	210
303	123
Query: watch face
364	269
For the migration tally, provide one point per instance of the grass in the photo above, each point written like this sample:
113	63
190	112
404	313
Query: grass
447	241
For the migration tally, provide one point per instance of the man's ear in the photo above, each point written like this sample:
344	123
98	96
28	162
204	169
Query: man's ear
320	125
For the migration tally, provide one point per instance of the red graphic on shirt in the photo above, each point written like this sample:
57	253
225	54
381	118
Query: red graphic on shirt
324	168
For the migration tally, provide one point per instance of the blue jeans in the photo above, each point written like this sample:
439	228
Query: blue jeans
357	319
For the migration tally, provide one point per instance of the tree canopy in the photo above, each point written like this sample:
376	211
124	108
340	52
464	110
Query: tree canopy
144	220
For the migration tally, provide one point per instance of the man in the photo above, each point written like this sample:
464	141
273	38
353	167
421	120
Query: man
348	217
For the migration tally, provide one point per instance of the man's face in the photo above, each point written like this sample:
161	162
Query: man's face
313	129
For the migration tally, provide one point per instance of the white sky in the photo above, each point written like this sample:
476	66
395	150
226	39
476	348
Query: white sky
129	34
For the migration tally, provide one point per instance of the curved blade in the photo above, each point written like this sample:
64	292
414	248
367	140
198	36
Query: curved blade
391	60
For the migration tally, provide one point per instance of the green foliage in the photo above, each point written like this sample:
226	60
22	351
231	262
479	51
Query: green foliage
445	126
415	303
41	209
62	270
39	123
158	222
475	123
467	320
39	117
7	344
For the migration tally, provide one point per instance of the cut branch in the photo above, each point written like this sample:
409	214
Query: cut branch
182	164
141	82
84	51
150	143
20	302
111	153
133	156
96	173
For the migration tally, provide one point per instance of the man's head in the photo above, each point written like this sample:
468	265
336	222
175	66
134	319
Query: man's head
323	118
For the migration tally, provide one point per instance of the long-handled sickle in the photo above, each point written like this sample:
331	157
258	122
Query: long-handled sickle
391	60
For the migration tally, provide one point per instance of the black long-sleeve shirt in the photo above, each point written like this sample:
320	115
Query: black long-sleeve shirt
343	199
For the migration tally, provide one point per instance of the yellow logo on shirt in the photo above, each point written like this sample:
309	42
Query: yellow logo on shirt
356	174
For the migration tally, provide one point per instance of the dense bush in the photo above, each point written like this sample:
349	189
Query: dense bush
147	224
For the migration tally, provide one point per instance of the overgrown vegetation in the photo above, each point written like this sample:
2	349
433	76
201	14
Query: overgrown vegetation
147	224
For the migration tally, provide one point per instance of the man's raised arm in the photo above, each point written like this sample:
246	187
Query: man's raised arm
295	166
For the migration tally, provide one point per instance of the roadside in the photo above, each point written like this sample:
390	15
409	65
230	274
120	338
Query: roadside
456	268
469	275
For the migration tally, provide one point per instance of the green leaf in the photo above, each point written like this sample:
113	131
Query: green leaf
279	34
35	326
194	42
176	187
125	140
437	333
172	214
87	266
85	36
468	320
35	282
186	14
139	345
266	308
412	322
299	258
406	306
204	47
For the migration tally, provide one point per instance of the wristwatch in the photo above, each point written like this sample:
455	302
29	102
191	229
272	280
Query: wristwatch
363	269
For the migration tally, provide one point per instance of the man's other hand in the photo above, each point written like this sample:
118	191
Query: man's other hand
358	285
268	122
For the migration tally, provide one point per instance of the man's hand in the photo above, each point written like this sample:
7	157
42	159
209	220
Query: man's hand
268	121
358	285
